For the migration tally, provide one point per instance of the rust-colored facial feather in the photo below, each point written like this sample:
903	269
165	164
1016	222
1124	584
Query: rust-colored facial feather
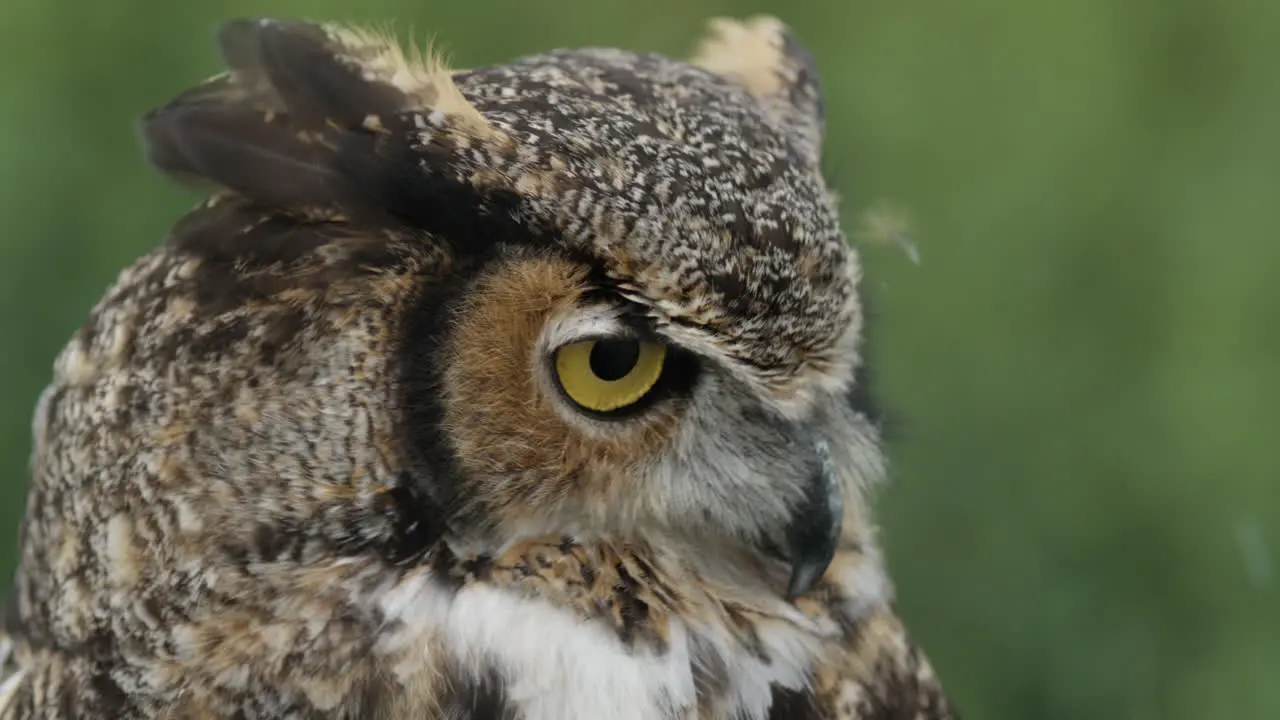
526	454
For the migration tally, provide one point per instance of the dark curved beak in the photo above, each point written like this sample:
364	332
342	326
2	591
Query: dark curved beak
814	530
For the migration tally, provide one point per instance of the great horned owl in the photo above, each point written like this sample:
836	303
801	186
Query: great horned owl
528	391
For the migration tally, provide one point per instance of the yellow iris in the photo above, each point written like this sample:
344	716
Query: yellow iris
607	375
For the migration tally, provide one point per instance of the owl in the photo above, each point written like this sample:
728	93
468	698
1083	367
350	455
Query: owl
530	391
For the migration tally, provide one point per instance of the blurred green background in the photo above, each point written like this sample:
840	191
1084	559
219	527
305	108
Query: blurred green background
1084	518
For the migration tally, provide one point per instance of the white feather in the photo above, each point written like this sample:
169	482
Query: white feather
557	666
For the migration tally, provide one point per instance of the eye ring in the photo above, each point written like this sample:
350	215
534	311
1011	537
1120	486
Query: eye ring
608	375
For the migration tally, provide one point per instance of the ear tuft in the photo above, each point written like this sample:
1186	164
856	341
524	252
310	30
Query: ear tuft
761	55
421	74
344	73
304	116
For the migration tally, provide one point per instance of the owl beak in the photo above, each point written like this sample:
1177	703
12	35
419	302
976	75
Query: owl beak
814	531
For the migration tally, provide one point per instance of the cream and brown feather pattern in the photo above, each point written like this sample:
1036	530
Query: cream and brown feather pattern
528	391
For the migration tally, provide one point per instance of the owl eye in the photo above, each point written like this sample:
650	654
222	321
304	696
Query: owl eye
609	374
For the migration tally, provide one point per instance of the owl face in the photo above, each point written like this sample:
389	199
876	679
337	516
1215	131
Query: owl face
635	317
666	345
570	411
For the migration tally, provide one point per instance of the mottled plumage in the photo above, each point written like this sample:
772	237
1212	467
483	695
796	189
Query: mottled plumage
325	452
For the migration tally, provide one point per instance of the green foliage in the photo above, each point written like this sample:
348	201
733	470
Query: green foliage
1085	516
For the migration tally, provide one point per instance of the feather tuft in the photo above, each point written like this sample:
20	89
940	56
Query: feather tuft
310	116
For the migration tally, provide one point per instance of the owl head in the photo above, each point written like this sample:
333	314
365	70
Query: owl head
616	299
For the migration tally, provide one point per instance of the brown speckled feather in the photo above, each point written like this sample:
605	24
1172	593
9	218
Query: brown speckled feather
315	454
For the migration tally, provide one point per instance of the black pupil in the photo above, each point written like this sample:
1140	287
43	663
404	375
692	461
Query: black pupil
613	359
